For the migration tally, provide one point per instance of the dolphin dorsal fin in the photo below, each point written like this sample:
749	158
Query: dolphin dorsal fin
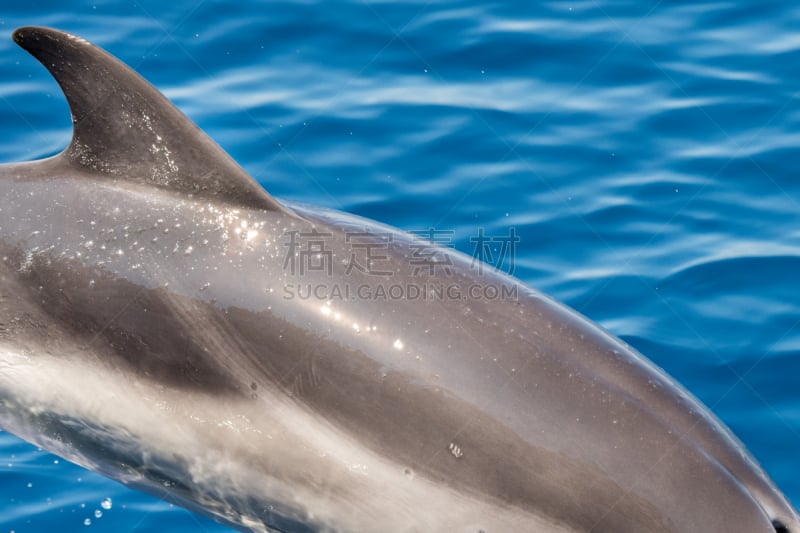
125	128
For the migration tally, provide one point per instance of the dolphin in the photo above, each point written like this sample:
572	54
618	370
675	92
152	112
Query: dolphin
281	367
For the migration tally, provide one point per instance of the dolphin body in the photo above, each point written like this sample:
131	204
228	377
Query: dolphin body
153	328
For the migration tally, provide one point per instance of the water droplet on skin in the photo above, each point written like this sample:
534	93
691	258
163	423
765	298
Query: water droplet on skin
456	450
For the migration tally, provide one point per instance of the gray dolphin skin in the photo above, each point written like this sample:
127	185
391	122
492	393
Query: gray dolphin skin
165	322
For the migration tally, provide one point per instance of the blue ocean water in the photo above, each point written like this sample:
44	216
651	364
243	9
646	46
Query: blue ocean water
644	152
